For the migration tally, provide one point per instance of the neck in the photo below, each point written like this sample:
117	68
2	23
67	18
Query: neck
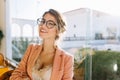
49	46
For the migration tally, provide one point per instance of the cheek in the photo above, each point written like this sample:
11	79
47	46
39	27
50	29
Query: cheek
53	32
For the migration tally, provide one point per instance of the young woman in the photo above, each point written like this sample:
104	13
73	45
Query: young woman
46	61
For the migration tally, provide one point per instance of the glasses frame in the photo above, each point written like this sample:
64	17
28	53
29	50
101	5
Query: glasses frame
42	21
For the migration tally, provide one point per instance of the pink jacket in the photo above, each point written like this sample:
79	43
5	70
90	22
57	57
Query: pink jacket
62	65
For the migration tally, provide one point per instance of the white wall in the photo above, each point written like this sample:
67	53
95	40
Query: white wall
77	18
100	22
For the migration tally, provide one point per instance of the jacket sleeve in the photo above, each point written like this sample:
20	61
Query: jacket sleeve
68	69
20	73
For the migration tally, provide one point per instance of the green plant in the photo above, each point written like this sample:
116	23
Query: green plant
106	65
19	47
82	63
1	36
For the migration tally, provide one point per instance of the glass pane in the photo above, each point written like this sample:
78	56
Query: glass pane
23	26
77	41
106	46
92	36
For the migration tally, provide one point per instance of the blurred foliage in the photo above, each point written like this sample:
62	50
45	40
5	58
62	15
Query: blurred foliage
81	55
1	36
19	47
82	63
105	65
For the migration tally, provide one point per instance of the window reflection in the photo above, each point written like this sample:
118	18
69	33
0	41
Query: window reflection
96	46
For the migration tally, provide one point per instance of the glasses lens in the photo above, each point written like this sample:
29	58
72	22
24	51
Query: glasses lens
40	21
50	24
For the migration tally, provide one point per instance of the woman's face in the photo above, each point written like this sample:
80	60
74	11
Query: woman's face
48	27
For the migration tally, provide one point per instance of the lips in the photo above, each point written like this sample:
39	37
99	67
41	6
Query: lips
43	31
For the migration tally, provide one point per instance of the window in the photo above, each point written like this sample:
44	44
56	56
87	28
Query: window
23	27
92	36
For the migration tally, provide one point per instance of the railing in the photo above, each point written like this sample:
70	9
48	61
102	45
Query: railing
11	63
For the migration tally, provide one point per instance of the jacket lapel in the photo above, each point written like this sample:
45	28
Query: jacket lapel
32	58
56	65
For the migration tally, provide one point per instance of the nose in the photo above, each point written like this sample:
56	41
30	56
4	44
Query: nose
44	24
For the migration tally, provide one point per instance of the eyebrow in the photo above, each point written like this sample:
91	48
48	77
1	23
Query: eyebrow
49	20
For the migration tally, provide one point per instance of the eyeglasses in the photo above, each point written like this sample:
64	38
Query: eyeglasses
49	24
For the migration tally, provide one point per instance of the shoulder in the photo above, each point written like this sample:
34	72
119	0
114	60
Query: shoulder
65	54
66	57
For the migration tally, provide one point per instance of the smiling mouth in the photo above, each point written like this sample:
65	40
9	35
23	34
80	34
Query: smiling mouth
43	31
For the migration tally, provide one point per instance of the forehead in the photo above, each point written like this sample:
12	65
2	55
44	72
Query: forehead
49	16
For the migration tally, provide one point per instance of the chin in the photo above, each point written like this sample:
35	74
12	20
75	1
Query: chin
43	36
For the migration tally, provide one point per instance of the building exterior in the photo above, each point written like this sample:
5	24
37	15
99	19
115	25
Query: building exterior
85	28
86	22
92	28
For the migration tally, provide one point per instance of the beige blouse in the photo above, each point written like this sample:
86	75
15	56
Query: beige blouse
42	74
